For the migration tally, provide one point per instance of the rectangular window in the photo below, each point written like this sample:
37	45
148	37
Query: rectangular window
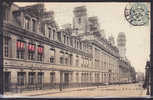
71	59
20	49
40	53
66	61
77	62
31	51
61	57
31	78
77	77
27	23
52	60
90	77
21	78
6	46
52	77
61	60
52	55
33	25
40	77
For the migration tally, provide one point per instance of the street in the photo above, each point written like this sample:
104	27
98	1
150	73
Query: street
124	90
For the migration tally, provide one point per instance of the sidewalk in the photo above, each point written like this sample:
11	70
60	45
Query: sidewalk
47	91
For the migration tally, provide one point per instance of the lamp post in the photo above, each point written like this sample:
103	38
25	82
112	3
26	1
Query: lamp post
147	77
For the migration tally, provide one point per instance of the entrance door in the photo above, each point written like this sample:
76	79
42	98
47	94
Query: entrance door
66	79
40	80
7	78
52	79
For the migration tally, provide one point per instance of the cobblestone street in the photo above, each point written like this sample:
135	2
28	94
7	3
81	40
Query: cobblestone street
124	90
127	90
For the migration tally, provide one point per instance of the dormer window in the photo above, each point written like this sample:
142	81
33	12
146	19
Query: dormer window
49	32
59	36
79	20
53	34
33	25
77	44
27	23
64	39
80	46
71	42
67	40
17	17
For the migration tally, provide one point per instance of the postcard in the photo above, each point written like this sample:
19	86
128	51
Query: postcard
76	49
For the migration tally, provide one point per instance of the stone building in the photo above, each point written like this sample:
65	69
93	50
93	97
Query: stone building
127	73
121	43
40	55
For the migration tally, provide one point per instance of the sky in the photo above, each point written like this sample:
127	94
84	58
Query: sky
111	18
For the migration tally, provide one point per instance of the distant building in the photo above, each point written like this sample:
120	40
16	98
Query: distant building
103	34
121	44
111	40
140	76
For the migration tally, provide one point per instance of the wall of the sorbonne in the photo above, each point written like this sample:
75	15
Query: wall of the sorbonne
25	63
107	64
99	65
47	53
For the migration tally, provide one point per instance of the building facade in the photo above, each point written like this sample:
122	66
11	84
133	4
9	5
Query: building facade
40	55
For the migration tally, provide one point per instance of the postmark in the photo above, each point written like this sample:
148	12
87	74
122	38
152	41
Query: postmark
137	14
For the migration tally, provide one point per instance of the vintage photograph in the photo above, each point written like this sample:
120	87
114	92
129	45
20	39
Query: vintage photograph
76	49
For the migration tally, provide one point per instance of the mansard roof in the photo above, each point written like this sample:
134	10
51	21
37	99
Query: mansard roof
48	14
33	10
80	8
93	19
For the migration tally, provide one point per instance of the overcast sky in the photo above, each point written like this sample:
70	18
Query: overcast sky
112	20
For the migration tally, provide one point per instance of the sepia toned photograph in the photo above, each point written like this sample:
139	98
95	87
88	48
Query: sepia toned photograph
76	49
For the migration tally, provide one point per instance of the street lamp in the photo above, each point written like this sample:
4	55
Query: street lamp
147	77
